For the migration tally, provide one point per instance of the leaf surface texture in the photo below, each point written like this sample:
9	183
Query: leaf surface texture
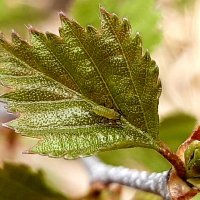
84	91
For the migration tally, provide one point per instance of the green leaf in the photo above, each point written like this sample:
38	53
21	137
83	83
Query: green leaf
83	92
20	182
142	14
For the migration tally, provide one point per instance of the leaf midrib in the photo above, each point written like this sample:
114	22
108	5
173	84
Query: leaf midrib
94	64
128	67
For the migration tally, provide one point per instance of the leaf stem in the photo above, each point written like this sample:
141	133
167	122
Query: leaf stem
173	159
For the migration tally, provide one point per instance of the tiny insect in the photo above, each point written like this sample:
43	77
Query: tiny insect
106	112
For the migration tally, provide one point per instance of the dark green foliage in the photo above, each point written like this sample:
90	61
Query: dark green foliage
19	182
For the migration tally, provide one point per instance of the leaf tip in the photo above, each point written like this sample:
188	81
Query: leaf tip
32	30
138	40
147	55
138	34
126	25
14	35
29	26
13	32
7	125
91	29
62	15
103	10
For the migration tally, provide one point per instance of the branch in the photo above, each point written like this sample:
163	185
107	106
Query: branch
150	182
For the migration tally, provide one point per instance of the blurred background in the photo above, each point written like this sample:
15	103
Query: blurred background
170	31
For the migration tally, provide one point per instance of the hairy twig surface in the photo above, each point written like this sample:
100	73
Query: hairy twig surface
150	182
